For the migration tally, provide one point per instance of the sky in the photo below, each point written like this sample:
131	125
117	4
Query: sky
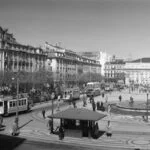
118	27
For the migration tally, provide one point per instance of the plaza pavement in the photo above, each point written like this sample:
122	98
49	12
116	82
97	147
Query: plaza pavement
129	132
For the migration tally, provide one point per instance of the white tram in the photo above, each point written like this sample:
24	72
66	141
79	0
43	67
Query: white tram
8	105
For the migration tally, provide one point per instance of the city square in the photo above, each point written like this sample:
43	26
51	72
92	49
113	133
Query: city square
125	134
75	74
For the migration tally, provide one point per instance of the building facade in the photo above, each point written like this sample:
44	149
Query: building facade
138	71
100	56
67	65
104	57
114	70
16	57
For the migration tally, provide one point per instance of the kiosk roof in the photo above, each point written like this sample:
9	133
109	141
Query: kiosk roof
79	114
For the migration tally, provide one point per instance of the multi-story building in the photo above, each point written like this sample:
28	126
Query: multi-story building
114	70
138	71
18	57
68	65
100	56
104	57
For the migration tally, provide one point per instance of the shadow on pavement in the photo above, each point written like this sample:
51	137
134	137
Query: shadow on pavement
10	142
25	124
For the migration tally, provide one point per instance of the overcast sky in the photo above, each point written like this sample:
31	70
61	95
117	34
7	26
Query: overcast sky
120	27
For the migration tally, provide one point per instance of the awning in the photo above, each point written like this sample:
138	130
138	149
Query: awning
79	114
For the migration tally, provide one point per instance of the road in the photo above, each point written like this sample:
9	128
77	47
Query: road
129	132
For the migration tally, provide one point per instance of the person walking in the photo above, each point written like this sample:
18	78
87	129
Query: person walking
93	105
61	133
15	128
120	98
1	120
43	113
106	98
49	125
84	99
58	103
108	129
91	98
109	109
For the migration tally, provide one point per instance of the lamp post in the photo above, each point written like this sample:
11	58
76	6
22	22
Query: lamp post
17	110
147	107
52	97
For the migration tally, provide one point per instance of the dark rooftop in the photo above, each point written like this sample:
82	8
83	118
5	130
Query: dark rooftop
79	114
143	60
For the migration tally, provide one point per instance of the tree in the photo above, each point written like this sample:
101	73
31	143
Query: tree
89	77
42	78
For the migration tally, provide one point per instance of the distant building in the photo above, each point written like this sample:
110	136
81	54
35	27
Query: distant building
138	71
104	58
95	55
114	70
100	56
67	65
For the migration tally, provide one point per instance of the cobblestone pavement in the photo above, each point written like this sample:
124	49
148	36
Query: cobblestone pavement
129	132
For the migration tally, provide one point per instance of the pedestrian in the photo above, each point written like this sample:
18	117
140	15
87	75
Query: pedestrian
61	133
74	104
91	98
106	98
108	129
84	99
1	120
120	98
103	95
15	129
93	105
58	102
109	109
43	113
49	125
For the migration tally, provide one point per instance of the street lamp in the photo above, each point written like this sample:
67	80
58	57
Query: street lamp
147	106
17	110
52	97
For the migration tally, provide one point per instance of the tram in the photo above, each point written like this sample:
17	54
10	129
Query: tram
9	105
93	88
72	94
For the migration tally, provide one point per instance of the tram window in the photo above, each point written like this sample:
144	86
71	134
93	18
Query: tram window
1	103
14	103
24	102
19	103
10	104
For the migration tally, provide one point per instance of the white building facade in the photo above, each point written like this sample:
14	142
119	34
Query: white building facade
103	58
138	71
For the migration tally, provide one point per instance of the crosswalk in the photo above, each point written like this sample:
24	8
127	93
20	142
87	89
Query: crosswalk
116	141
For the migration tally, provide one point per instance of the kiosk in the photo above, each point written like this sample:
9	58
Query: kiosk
80	120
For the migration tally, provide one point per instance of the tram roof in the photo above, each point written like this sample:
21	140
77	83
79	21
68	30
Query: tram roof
79	114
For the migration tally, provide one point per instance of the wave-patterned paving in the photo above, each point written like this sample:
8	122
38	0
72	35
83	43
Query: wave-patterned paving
118	140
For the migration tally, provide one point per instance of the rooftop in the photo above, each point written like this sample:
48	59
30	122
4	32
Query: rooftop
142	60
79	114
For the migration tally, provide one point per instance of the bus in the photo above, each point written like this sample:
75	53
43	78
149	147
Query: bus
93	88
10	104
